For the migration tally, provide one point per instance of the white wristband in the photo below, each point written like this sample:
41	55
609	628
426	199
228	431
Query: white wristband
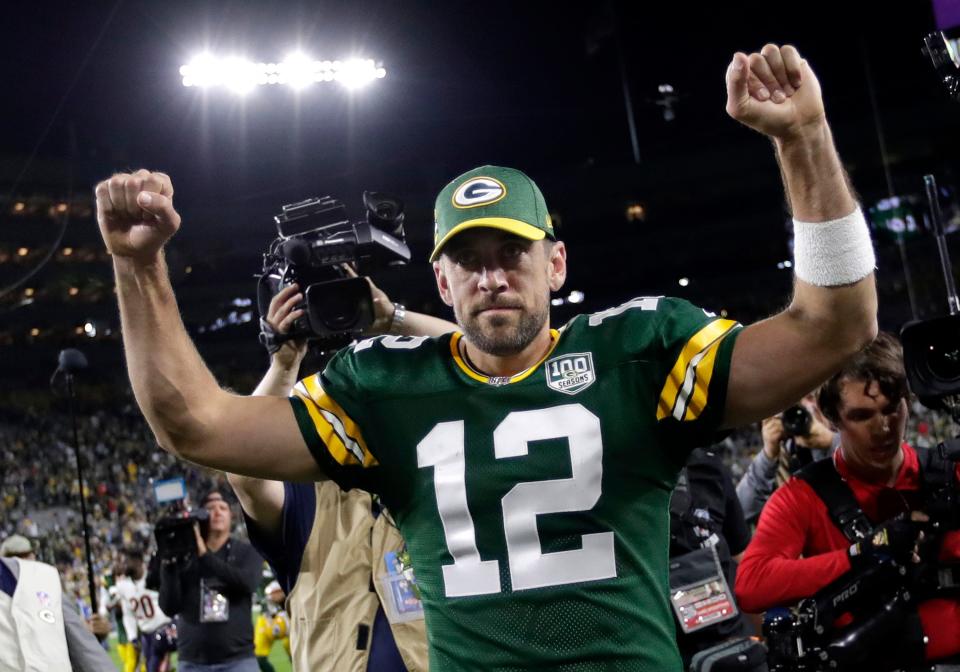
838	252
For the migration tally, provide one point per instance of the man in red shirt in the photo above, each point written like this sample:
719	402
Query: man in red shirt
798	550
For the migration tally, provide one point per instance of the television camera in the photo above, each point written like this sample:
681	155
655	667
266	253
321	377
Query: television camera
316	241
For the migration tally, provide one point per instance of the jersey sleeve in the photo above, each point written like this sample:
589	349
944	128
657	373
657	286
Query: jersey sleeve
329	408
695	349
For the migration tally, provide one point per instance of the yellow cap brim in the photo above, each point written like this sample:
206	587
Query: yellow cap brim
514	226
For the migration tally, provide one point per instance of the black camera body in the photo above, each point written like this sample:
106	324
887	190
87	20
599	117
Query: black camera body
316	239
931	356
176	540
797	422
805	638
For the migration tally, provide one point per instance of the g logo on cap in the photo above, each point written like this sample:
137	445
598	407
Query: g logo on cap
478	191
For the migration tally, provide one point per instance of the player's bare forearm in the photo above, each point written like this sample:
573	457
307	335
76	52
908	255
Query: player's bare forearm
777	361
816	184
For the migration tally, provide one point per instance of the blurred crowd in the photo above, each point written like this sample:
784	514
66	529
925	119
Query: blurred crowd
39	487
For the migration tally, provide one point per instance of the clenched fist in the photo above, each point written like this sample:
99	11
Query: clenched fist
136	215
775	92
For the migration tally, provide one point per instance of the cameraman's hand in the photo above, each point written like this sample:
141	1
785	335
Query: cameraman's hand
382	305
136	216
281	315
899	538
772	431
201	544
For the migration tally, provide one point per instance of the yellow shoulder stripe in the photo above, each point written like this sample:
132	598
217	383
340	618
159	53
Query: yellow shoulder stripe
684	394
339	433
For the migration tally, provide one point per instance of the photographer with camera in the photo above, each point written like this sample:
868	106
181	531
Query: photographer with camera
337	540
791	439
210	593
853	513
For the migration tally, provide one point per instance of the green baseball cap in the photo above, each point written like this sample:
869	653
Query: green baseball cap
490	196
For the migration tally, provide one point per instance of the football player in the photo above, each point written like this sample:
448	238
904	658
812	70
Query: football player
141	611
529	469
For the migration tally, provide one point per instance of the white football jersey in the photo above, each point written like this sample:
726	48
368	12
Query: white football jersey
141	607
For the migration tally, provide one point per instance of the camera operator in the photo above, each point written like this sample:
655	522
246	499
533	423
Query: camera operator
336	539
798	549
211	595
783	442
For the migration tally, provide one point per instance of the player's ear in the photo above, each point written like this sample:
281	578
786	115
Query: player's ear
443	286
557	265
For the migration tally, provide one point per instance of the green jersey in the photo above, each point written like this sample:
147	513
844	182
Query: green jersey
535	507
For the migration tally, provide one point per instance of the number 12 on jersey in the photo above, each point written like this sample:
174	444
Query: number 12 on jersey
443	449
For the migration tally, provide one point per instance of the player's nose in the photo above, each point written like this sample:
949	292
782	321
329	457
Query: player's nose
492	278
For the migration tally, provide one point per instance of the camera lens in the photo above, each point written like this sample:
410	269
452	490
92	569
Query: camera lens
943	360
339	305
797	421
339	312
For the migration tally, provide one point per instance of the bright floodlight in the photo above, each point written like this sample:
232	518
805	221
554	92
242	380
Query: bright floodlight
357	72
297	70
239	75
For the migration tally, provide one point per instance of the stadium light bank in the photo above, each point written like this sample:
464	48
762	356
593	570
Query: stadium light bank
297	71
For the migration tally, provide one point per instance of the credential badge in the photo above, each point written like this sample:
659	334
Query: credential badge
571	373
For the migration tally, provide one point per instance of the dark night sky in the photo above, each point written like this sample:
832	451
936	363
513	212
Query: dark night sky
533	85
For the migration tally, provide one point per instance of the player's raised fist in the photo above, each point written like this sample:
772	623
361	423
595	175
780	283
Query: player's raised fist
136	215
775	92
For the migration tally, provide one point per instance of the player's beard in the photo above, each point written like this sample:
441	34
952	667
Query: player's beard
501	340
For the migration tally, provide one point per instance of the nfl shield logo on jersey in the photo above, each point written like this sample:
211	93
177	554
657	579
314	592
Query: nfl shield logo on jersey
571	373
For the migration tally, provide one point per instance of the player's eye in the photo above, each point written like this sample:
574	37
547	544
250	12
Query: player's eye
513	251
466	258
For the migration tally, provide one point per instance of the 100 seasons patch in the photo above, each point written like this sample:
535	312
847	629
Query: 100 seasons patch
571	373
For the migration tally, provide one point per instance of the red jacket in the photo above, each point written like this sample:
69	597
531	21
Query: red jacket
797	550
